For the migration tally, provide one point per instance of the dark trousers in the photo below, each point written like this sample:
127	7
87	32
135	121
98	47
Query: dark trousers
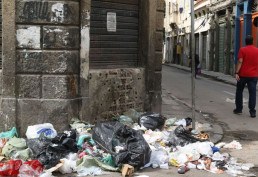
251	85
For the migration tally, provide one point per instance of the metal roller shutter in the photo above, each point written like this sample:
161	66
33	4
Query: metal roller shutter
119	48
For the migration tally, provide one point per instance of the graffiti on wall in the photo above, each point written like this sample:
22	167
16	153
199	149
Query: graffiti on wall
60	12
57	12
33	10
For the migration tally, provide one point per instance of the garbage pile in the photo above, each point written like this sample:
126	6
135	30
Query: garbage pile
126	144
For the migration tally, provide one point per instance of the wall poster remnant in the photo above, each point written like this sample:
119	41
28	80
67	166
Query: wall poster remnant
111	22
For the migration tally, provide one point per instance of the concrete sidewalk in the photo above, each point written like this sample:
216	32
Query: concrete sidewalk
209	74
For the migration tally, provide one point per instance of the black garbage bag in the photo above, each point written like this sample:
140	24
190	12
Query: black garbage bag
181	137
134	150
188	121
67	140
152	121
50	151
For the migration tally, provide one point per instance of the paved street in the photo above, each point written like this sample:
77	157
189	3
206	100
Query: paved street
216	102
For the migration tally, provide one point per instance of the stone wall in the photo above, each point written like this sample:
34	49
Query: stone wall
151	54
47	55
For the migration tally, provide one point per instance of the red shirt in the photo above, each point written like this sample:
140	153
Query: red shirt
249	67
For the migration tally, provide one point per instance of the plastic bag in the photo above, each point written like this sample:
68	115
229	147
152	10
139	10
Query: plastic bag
31	168
85	138
136	151
90	171
9	134
35	131
132	113
10	168
181	137
50	151
16	147
126	120
152	121
184	122
170	122
69	164
158	158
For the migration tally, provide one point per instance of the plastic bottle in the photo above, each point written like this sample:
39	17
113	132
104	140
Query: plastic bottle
183	169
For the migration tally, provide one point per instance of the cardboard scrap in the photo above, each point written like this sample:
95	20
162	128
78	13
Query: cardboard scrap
127	170
2	158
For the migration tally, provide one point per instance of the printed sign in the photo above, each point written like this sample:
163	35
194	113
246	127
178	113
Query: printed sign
111	22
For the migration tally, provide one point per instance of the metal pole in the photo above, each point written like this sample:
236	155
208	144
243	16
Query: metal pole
193	62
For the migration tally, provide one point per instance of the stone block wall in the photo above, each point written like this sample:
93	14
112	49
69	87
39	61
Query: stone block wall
47	55
151	54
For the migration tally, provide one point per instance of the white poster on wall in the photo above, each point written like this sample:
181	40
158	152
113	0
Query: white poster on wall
111	22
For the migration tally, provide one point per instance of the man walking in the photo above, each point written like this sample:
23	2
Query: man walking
247	74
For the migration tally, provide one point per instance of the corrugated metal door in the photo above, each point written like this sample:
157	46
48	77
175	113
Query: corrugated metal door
0	34
117	47
221	46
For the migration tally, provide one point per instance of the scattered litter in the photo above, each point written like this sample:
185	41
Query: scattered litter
183	169
170	122
90	171
184	122
35	131
10	168
108	135
127	170
152	121
131	142
9	134
233	145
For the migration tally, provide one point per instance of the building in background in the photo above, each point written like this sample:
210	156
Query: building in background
214	33
246	23
170	22
179	31
222	36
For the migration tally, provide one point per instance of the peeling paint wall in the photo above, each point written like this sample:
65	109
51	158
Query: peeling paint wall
28	37
115	91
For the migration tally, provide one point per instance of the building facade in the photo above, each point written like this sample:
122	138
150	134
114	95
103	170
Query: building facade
87	59
222	32
179	29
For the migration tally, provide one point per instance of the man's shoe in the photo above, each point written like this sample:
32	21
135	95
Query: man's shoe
237	111
253	115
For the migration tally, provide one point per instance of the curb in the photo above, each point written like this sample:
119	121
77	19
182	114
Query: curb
203	74
216	134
